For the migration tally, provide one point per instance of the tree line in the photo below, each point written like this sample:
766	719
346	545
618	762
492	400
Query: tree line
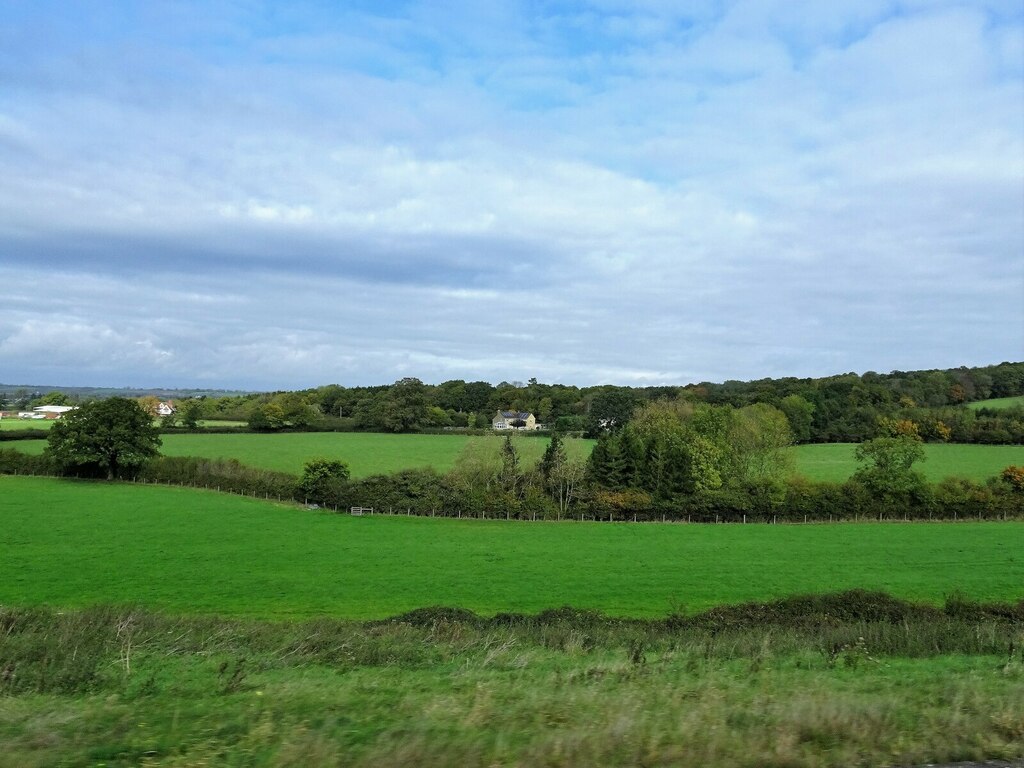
843	408
672	460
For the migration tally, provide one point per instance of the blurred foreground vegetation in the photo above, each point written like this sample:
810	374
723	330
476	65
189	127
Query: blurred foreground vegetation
857	679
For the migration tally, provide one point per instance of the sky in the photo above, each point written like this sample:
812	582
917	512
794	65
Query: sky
282	195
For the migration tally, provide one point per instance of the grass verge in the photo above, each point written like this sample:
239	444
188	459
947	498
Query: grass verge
889	683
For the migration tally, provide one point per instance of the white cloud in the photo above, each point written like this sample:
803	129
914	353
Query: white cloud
730	190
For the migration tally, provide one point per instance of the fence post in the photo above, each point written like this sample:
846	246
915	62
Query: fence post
744	518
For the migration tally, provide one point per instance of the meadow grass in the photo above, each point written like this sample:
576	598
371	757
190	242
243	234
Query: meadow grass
128	687
366	453
835	461
370	453
10	424
998	403
74	543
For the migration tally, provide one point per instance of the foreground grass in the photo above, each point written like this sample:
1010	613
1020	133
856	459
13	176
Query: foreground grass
126	687
74	543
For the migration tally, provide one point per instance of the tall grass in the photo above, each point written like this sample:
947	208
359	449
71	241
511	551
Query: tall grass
894	683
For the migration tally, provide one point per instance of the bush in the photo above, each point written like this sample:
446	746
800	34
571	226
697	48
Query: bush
16	463
323	480
223	474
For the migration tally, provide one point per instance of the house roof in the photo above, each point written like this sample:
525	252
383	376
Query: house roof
514	415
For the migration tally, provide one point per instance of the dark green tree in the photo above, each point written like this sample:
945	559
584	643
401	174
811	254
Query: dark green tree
552	461
510	478
800	414
113	437
405	407
887	467
609	410
267	417
190	413
323	479
52	398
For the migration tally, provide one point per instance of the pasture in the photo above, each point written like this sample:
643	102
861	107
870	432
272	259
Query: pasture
998	403
191	551
369	453
835	461
366	453
12	424
288	678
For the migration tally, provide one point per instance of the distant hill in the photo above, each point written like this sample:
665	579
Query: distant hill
86	393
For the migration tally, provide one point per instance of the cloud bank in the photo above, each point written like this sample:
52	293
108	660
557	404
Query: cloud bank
267	197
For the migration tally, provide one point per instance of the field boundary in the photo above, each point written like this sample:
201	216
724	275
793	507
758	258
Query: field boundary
779	518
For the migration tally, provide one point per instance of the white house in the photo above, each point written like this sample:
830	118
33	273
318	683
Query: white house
506	420
47	412
165	408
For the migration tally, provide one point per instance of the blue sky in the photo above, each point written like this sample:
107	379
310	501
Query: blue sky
259	195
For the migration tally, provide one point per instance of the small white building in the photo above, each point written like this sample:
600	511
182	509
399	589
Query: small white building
165	408
48	411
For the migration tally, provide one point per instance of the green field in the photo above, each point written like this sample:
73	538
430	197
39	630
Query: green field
367	453
835	461
170	684
195	551
998	403
374	453
14	424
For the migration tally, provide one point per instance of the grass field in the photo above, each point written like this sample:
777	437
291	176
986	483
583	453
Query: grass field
180	687
998	403
835	461
374	453
194	551
367	453
11	425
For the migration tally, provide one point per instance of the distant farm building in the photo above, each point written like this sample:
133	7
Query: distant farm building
47	412
165	408
514	420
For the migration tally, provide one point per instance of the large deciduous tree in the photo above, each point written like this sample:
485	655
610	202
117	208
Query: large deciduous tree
323	480
887	467
113	437
405	408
